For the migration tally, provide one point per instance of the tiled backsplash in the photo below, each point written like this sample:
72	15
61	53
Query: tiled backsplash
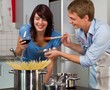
8	39
8	33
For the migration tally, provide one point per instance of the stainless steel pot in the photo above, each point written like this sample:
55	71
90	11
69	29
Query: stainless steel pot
70	81
57	86
28	79
67	78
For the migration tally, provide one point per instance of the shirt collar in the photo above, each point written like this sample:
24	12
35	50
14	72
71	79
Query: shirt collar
91	29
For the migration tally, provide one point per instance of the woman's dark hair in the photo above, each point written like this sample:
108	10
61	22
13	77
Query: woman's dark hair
44	12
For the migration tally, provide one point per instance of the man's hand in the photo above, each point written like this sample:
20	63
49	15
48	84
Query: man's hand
66	40
51	54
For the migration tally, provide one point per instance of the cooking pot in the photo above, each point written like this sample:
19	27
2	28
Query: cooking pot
57	86
70	81
67	78
28	79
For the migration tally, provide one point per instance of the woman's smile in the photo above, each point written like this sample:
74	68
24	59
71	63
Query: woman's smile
40	23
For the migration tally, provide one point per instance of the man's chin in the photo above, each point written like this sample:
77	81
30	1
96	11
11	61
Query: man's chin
75	27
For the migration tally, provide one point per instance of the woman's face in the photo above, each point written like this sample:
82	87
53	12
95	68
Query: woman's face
40	23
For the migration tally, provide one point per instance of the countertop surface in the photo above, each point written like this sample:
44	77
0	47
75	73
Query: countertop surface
77	88
7	89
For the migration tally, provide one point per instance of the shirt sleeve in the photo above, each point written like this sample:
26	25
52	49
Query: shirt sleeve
100	44
23	28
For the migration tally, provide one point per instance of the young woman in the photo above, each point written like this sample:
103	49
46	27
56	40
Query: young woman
41	26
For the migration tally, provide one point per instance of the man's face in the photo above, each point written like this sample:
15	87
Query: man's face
75	20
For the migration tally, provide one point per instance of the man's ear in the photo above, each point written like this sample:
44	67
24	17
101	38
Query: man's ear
86	17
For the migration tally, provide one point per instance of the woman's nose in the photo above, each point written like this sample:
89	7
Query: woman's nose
41	21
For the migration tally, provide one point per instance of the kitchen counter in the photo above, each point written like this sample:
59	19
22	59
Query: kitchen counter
8	89
9	57
77	88
81	88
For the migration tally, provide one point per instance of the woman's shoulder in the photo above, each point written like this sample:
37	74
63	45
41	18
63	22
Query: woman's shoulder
25	27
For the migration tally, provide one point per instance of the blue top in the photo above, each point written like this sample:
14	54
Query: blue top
96	43
32	52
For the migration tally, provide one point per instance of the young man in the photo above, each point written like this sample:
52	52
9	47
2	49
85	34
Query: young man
94	43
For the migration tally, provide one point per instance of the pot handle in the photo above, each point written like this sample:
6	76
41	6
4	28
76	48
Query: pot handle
73	78
11	71
42	71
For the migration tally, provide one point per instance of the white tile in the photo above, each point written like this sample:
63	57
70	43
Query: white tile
3	42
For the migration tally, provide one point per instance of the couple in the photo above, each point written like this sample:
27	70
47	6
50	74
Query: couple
92	35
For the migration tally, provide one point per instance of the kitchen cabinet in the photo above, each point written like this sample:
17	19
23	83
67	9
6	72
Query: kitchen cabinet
6	79
24	9
102	5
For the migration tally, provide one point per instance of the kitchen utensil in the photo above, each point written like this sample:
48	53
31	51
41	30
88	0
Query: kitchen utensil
67	78
70	81
51	38
57	86
28	79
28	75
47	49
12	50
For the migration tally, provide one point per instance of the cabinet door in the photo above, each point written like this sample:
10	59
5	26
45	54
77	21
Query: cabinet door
6	79
24	9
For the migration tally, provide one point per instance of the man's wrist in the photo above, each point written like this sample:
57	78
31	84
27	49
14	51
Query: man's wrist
70	45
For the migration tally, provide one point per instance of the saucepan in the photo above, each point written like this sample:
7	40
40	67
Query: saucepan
56	86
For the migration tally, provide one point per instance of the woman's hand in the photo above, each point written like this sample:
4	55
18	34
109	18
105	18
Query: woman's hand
20	46
22	43
66	40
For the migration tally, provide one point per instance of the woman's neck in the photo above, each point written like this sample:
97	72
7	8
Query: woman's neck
40	33
40	36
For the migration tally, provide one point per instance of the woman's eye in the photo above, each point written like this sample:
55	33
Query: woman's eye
37	18
44	19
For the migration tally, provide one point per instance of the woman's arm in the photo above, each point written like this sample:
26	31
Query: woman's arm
50	67
49	71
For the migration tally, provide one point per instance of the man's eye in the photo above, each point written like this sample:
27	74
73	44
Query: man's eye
72	19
